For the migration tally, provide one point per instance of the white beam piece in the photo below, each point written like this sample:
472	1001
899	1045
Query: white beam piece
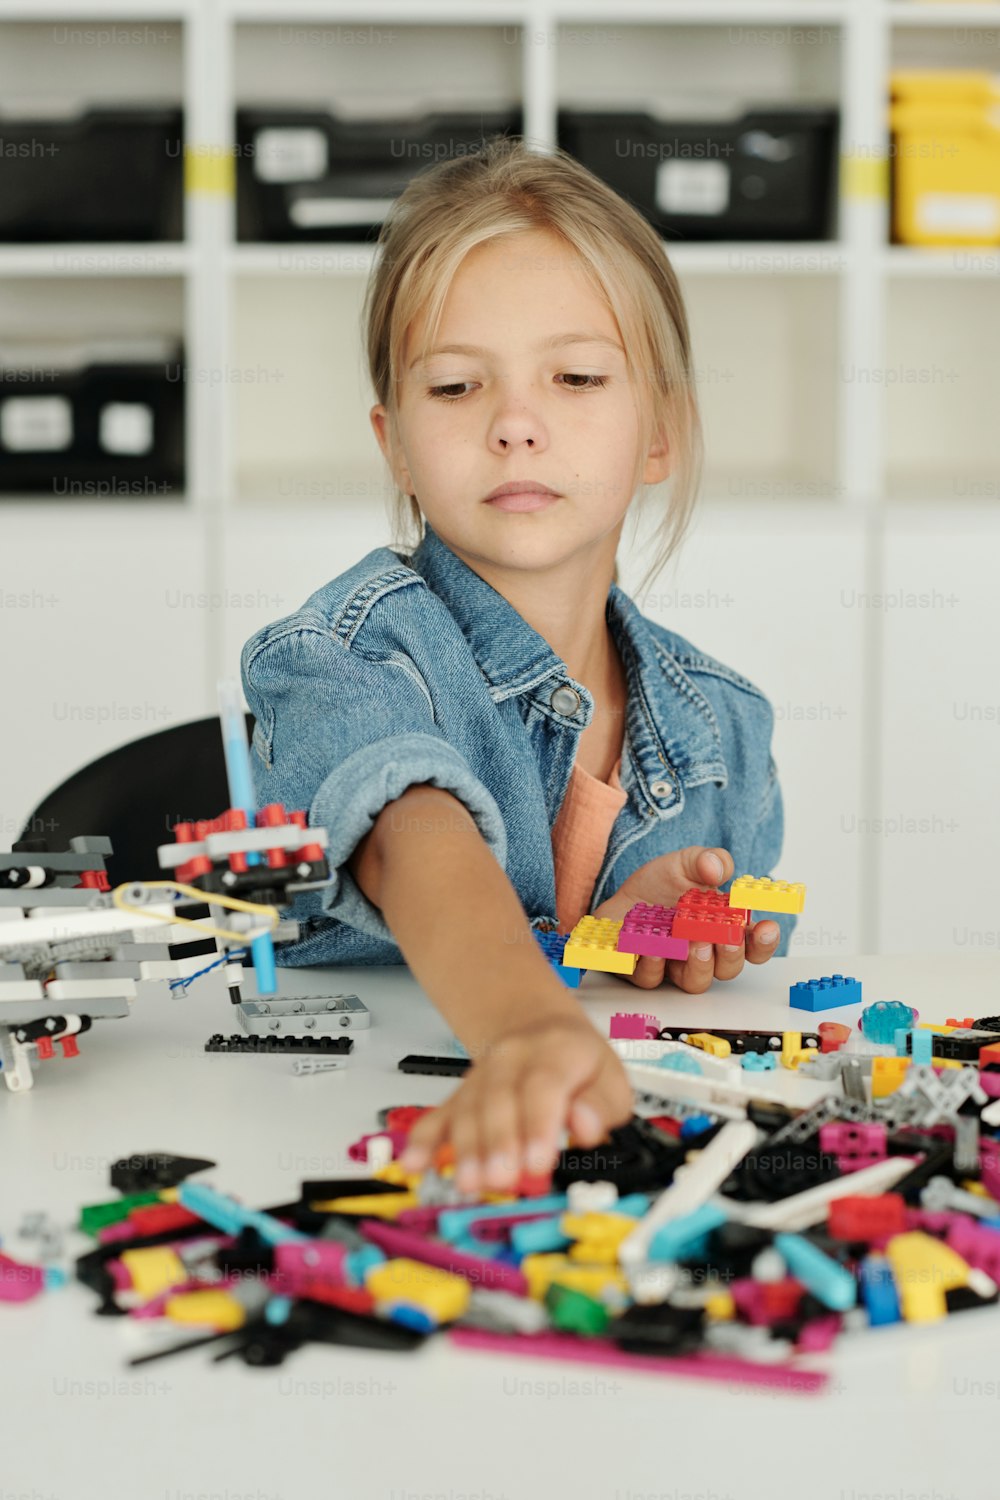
693	1185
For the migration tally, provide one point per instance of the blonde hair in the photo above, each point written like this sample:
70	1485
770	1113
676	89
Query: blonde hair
507	188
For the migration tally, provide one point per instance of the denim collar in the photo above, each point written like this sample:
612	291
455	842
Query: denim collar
672	727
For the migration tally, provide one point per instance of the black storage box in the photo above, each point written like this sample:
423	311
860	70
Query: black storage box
104	423
768	174
108	174
310	175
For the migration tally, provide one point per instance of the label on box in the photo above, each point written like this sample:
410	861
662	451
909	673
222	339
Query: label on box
126	427
289	154
337	213
692	187
36	424
959	213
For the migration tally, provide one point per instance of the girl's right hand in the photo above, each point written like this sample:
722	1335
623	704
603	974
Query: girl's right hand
521	1092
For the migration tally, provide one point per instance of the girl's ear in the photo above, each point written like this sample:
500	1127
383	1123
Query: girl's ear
384	432
657	460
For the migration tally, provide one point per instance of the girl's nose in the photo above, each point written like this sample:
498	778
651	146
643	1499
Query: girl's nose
516	424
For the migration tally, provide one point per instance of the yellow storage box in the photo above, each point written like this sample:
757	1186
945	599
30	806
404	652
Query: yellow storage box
946	157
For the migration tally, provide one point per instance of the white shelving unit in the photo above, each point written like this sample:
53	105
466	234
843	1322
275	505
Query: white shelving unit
813	448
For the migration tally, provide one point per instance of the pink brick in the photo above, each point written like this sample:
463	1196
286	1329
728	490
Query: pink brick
648	931
854	1146
628	1026
818	1335
978	1246
989	1165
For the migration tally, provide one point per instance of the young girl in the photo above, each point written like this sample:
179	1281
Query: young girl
495	737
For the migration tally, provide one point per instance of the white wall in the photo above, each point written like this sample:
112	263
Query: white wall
844	555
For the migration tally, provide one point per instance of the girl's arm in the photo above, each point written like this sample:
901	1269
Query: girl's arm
538	1062
456	917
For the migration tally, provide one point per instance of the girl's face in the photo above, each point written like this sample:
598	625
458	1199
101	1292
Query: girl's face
527	381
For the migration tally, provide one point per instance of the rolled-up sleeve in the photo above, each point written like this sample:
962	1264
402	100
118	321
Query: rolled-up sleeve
343	735
766	849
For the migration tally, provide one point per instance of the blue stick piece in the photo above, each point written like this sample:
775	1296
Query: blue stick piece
538	1236
878	1291
454	1222
633	1204
485	1249
357	1263
241	794
829	1282
922	1044
686	1235
224	1213
277	1310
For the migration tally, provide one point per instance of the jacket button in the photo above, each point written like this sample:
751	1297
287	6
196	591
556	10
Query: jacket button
661	788
565	701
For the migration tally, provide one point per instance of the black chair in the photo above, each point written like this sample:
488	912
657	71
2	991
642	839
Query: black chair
134	795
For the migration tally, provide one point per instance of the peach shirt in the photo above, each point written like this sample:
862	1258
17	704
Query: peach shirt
580	839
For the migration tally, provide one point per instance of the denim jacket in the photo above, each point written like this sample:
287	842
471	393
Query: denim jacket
406	670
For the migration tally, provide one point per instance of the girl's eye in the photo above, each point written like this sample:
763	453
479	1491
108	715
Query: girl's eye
597	382
456	390
448	392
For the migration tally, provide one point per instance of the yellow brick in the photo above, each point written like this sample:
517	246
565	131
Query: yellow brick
610	1227
887	1074
791	1043
154	1270
218	1310
706	1042
593	944
441	1293
721	1307
597	1236
542	1271
923	1269
393	1172
792	1059
767	895
594	1253
378	1206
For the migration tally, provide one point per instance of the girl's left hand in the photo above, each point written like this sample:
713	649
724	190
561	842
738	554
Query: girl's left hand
660	883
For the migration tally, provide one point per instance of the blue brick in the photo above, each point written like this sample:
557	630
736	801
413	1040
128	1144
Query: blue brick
826	993
552	945
694	1126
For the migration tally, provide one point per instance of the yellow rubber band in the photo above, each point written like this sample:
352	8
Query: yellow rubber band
231	903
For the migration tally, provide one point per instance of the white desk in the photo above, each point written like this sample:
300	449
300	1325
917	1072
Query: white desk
910	1415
